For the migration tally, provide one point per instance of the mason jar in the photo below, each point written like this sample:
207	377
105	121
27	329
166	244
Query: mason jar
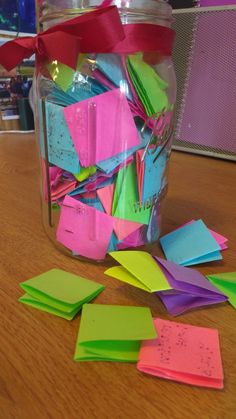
104	129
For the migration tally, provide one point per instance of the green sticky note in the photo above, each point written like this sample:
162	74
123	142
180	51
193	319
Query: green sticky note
33	302
126	203
225	282
113	333
85	172
61	290
63	75
150	88
120	273
142	267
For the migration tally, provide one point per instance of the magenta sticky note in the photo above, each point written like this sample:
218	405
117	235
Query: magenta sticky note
123	228
101	127
83	229
183	353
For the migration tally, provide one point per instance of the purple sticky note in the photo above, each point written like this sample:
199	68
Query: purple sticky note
190	288
83	229
101	127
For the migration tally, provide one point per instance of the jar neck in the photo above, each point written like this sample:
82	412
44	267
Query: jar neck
131	11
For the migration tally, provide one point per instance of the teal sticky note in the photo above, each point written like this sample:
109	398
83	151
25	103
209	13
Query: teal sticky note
111	66
190	242
113	333
61	150
153	173
59	292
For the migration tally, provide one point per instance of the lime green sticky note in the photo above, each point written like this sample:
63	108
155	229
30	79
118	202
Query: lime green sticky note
120	273
63	75
85	172
142	266
126	200
33	302
61	290
149	86
225	282
113	333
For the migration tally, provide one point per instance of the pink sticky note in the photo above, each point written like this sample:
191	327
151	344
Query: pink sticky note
61	189
183	353
123	228
221	240
83	229
140	172
135	239
101	127
106	197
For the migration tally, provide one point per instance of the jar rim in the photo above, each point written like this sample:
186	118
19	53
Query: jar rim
154	8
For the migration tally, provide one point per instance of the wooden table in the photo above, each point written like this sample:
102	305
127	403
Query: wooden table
38	377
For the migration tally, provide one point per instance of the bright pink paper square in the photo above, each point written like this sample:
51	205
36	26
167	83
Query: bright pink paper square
101	127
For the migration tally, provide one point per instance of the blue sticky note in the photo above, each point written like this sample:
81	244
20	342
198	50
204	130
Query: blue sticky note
61	150
113	243
93	202
153	173
210	257
86	88
111	66
187	244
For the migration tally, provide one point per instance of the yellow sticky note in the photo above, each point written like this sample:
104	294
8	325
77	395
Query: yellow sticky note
142	266
119	272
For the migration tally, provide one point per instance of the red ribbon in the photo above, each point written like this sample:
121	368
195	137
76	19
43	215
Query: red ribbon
100	31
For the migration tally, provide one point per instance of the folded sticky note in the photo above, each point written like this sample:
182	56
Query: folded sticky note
126	203
138	269
148	85
221	240
113	333
190	289
61	150
59	292
184	353
153	176
226	283
111	65
101	127
83	229
190	245
135	239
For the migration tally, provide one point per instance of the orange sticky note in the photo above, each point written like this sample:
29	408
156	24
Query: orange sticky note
183	353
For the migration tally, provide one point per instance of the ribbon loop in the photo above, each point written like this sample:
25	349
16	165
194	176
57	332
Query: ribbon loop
99	31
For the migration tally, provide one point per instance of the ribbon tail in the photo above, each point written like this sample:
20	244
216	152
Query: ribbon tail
13	52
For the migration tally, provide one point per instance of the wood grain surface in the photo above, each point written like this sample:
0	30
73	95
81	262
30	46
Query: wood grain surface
38	377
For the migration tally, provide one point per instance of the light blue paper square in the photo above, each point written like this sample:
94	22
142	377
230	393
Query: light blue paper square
189	243
61	150
210	257
111	66
153	174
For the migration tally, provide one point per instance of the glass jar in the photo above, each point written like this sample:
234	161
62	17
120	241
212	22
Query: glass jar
104	132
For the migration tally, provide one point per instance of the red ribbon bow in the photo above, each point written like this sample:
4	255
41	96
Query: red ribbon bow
99	31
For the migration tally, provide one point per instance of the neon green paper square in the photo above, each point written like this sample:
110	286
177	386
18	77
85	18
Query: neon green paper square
61	290
113	333
226	283
33	302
